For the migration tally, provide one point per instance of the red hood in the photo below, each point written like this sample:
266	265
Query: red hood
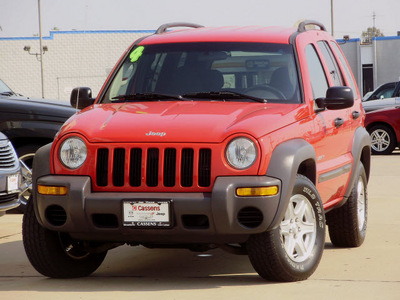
197	121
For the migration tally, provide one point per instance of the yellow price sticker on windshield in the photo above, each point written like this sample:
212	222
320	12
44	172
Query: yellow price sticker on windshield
136	54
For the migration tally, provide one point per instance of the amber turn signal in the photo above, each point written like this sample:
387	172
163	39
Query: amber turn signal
52	190
257	191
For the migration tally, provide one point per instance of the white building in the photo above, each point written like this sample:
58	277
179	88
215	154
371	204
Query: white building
85	58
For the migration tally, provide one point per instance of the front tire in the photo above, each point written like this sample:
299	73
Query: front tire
292	251
55	254
348	224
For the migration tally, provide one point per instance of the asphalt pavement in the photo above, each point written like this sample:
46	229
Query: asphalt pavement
369	272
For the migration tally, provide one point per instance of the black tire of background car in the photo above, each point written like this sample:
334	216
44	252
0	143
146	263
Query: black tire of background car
49	256
266	250
343	224
392	137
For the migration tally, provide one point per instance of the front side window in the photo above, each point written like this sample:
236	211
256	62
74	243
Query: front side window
384	93
319	83
260	70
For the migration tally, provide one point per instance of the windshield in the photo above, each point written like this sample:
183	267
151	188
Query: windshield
207	71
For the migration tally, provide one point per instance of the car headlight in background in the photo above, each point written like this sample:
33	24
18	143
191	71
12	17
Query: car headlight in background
73	152
241	153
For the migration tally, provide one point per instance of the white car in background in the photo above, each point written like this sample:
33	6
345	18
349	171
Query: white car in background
10	176
385	96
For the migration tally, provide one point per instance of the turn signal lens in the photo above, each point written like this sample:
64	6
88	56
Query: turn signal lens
257	191
52	190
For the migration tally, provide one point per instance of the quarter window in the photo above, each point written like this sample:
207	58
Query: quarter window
350	80
334	71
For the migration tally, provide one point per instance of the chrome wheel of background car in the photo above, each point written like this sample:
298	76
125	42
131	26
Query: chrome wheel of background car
298	228
383	139
26	182
380	140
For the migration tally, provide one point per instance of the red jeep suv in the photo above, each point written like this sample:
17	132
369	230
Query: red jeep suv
243	138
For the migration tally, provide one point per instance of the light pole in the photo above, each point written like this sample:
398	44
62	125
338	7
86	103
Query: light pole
332	30
41	49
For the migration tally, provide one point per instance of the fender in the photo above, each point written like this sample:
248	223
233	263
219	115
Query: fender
285	162
41	167
361	152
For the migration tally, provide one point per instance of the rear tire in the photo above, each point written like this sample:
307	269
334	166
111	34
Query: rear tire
55	254
292	251
348	224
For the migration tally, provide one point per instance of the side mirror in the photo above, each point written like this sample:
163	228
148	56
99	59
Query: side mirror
337	97
81	97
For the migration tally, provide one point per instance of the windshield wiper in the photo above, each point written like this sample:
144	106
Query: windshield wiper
148	96
7	93
224	95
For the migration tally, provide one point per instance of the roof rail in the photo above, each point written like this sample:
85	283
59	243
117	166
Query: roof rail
302	25
163	28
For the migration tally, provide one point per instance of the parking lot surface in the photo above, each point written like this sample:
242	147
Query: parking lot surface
369	272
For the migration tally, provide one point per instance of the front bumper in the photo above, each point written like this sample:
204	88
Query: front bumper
218	217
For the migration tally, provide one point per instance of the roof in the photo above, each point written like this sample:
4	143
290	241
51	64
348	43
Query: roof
256	34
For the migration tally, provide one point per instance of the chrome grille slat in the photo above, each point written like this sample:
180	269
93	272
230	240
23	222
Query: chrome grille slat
8	158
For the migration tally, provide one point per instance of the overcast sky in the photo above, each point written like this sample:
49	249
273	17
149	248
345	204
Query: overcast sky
19	18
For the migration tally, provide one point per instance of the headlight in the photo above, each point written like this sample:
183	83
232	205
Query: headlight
73	152
241	153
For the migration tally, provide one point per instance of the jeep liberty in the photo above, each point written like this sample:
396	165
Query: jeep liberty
248	139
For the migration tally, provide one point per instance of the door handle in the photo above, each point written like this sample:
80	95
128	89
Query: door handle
339	122
355	114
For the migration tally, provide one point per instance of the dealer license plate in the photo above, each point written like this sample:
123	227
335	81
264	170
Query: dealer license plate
147	213
13	183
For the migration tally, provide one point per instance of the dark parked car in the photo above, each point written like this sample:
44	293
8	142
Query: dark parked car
10	176
385	96
384	129
29	124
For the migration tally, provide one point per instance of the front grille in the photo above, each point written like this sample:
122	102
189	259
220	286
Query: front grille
4	198
8	159
153	167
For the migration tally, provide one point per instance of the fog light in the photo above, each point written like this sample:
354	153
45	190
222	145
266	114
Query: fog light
52	190
257	191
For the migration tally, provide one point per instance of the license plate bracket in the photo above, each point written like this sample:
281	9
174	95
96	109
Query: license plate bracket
147	214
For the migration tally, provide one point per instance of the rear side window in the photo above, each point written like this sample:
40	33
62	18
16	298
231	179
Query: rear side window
349	76
318	79
334	71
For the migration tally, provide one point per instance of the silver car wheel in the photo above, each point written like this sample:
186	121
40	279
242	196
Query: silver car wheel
380	140
26	183
299	228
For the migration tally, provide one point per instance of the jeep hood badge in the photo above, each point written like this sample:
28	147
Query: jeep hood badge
151	133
